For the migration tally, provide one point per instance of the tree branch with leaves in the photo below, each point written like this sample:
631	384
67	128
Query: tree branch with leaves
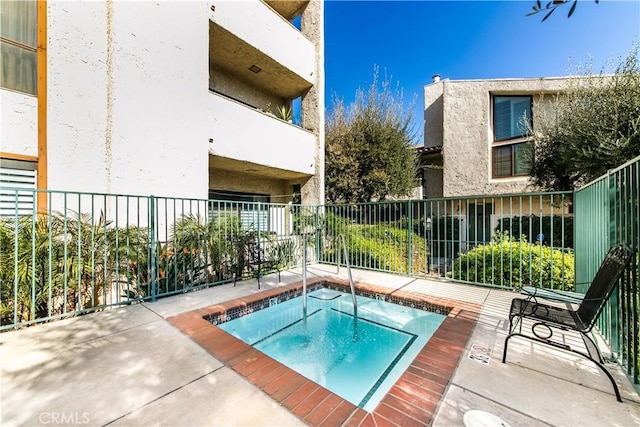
592	127
551	6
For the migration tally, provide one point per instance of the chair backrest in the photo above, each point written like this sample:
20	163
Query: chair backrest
603	283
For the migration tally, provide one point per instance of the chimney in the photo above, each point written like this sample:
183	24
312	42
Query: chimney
435	78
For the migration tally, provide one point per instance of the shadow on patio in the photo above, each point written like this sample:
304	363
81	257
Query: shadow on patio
129	366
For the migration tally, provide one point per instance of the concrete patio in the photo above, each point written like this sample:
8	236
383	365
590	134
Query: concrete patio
129	366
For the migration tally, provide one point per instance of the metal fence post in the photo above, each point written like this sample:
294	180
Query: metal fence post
409	238
612	309
152	255
318	231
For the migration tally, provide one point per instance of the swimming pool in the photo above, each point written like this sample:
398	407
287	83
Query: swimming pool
358	359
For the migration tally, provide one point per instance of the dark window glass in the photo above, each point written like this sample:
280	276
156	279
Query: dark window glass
511	160
510	116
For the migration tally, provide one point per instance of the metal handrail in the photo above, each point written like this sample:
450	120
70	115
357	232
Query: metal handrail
346	261
304	276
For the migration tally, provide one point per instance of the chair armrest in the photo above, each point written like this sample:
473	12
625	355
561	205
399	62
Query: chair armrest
552	294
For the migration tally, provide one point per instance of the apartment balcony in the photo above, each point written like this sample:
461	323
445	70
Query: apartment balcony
256	45
245	139
289	9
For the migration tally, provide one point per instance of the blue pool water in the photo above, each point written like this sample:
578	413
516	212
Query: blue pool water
358	360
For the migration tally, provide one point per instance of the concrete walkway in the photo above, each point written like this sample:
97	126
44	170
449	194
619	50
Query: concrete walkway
128	366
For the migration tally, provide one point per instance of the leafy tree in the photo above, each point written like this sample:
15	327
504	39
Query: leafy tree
551	6
594	126
369	156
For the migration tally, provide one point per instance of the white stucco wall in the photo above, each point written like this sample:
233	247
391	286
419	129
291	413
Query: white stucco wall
243	133
18	123
467	134
127	98
257	24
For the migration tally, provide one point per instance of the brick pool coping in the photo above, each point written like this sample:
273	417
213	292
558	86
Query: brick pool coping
412	400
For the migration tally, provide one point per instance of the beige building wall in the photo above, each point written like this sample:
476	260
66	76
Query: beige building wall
458	117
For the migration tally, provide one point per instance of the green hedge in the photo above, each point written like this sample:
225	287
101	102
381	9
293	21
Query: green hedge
510	263
377	246
531	226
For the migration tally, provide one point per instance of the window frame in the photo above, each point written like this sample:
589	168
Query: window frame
513	161
510	142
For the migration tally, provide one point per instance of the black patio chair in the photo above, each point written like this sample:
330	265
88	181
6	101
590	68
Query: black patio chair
546	317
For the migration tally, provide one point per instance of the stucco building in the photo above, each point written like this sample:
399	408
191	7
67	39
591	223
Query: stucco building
476	127
195	99
477	151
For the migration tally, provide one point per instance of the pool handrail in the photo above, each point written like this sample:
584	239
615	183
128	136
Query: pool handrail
346	261
304	276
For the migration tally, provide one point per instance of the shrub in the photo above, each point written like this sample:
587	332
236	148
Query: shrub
375	246
532	225
444	235
510	263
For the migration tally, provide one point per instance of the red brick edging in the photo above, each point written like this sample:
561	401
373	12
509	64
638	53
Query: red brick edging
412	400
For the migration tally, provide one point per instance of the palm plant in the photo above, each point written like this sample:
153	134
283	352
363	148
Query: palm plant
30	266
56	264
197	249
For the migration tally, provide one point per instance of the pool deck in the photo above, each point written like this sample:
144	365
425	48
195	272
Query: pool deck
149	364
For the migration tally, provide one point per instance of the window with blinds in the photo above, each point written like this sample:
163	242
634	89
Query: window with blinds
17	185
511	153
253	216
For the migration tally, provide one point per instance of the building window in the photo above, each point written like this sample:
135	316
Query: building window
511	151
18	185
18	45
251	214
512	160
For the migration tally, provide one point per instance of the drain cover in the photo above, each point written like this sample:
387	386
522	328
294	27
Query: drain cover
476	418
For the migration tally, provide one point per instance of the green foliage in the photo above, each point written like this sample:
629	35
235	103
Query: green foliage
443	237
595	126
369	156
530	227
375	246
52	265
64	264
197	249
285	113
284	252
510	263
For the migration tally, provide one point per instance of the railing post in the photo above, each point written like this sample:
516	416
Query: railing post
152	243
409	238
614	238
258	238
318	231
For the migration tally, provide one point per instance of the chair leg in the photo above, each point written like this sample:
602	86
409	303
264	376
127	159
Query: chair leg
504	351
560	346
506	340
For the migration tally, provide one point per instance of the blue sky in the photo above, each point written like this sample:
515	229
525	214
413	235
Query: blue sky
413	40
